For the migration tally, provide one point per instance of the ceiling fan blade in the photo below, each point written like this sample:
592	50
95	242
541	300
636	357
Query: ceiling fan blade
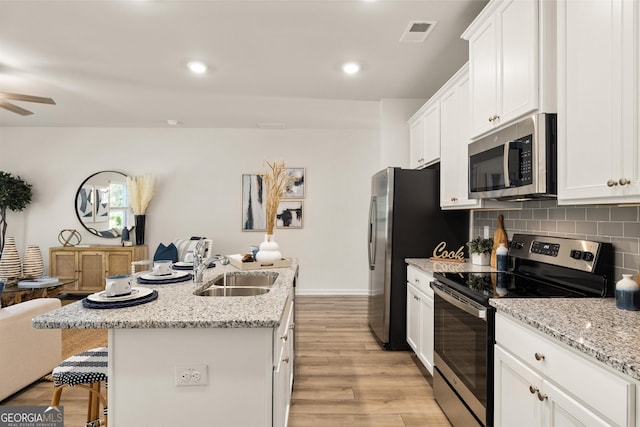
14	108
28	98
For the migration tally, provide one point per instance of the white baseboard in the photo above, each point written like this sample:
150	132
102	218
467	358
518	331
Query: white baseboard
329	292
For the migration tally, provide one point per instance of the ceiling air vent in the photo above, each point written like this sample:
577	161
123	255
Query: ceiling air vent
417	31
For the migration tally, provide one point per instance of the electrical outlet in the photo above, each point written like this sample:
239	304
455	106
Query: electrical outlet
486	231
186	375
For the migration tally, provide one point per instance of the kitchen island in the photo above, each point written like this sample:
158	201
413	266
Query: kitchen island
239	347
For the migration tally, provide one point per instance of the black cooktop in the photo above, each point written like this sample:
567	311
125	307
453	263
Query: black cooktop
482	286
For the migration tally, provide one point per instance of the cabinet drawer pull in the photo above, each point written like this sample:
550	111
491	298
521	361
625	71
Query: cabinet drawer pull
539	356
542	397
286	360
624	181
292	325
283	338
533	389
612	183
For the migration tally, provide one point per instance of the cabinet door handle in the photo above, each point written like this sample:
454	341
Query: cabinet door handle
533	389
542	397
416	298
539	356
292	325
285	360
624	181
283	338
612	183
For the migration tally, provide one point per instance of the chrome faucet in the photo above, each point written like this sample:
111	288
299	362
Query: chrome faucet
200	263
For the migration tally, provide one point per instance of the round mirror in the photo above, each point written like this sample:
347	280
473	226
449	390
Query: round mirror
102	204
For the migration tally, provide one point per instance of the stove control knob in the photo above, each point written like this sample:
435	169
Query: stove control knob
587	256
576	254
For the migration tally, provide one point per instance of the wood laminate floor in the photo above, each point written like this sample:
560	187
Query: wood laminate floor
343	377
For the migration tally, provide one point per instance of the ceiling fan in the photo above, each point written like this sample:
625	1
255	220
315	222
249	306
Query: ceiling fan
18	97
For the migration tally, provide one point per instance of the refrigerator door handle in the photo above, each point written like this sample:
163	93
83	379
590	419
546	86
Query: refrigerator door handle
373	209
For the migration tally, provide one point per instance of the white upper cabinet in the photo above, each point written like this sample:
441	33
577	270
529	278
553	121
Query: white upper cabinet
424	135
598	99
511	63
454	139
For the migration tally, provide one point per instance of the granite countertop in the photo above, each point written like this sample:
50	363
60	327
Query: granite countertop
430	266
177	307
593	326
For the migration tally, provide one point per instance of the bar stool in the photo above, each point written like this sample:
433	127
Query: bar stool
87	370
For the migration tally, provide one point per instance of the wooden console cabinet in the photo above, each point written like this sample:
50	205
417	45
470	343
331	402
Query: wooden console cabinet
89	266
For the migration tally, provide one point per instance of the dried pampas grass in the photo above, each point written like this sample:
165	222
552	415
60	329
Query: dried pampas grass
276	181
141	190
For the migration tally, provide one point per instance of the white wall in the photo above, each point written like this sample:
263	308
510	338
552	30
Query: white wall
198	189
394	131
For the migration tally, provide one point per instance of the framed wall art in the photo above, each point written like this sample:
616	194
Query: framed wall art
253	203
84	203
101	204
296	189
289	214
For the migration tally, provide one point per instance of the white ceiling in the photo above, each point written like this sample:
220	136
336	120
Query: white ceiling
110	63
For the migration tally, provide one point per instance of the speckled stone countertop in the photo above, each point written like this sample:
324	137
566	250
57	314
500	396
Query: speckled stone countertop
429	266
593	326
177	307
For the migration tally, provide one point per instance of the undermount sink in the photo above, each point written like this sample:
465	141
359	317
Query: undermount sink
232	291
239	285
247	280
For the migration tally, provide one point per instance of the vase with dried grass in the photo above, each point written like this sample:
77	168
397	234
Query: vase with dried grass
275	182
141	190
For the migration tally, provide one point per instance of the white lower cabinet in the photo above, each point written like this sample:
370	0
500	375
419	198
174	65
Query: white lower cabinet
283	368
539	382
420	315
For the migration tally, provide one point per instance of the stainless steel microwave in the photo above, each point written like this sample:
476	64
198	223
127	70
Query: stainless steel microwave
518	162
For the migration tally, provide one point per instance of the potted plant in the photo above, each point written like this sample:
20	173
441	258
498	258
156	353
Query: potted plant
15	195
480	250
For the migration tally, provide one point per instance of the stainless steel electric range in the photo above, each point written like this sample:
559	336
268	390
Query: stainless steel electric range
542	267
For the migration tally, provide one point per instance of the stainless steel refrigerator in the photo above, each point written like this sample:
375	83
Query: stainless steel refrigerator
405	221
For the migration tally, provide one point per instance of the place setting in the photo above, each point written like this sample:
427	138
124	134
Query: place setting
164	272
119	293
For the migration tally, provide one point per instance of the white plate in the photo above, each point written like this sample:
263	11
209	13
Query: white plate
183	264
173	275
135	294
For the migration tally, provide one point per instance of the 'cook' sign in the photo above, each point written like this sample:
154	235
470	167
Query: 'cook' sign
440	253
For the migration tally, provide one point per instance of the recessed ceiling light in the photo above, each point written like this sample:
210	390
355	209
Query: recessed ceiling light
351	68
197	67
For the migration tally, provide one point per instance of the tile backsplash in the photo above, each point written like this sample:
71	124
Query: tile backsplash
618	225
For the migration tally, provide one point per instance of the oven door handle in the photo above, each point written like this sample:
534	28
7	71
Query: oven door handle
460	301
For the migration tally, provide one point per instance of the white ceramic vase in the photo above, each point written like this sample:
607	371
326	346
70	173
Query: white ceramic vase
481	259
269	250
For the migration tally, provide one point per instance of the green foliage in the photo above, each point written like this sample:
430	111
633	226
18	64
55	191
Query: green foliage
480	246
15	195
